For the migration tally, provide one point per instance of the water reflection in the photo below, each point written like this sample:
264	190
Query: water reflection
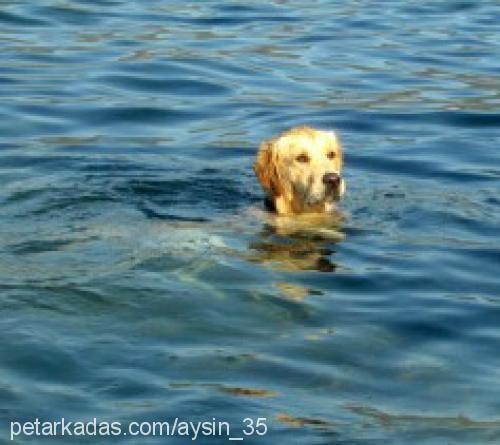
298	243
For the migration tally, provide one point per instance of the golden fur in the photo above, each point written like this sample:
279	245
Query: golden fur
292	167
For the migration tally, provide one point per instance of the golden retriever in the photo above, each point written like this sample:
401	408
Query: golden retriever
300	171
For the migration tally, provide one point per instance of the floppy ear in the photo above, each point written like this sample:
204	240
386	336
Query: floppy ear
266	170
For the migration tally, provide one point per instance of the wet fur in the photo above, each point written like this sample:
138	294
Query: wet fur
294	187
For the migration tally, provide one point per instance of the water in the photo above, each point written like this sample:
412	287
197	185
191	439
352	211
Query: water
136	287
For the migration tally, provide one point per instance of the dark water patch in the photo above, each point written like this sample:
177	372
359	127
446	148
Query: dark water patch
106	115
44	361
232	20
9	146
222	67
8	80
311	38
220	20
371	282
154	188
421	330
137	115
71	15
367	24
46	56
38	246
419	169
463	221
156	197
20	20
152	211
493	201
51	162
68	202
244	9
47	200
416	168
165	86
474	120
158	68
111	3
123	168
451	118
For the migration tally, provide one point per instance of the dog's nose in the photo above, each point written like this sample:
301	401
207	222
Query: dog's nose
331	179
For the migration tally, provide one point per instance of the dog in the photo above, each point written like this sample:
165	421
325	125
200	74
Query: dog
300	171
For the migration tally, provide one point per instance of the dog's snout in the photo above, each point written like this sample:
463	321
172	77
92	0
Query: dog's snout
331	179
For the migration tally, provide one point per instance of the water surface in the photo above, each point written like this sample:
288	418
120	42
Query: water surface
130	291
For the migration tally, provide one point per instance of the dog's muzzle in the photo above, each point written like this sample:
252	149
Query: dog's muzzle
334	185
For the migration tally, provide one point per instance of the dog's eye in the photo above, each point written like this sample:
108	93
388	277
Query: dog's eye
302	158
331	155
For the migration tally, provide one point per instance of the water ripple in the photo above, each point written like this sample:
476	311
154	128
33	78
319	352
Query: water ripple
165	86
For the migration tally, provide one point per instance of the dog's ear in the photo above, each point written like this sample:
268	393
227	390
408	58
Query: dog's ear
266	170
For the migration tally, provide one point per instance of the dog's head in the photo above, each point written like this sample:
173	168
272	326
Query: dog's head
301	170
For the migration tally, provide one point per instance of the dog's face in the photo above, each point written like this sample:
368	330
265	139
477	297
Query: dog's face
301	170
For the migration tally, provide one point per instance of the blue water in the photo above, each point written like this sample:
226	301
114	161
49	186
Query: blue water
134	285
